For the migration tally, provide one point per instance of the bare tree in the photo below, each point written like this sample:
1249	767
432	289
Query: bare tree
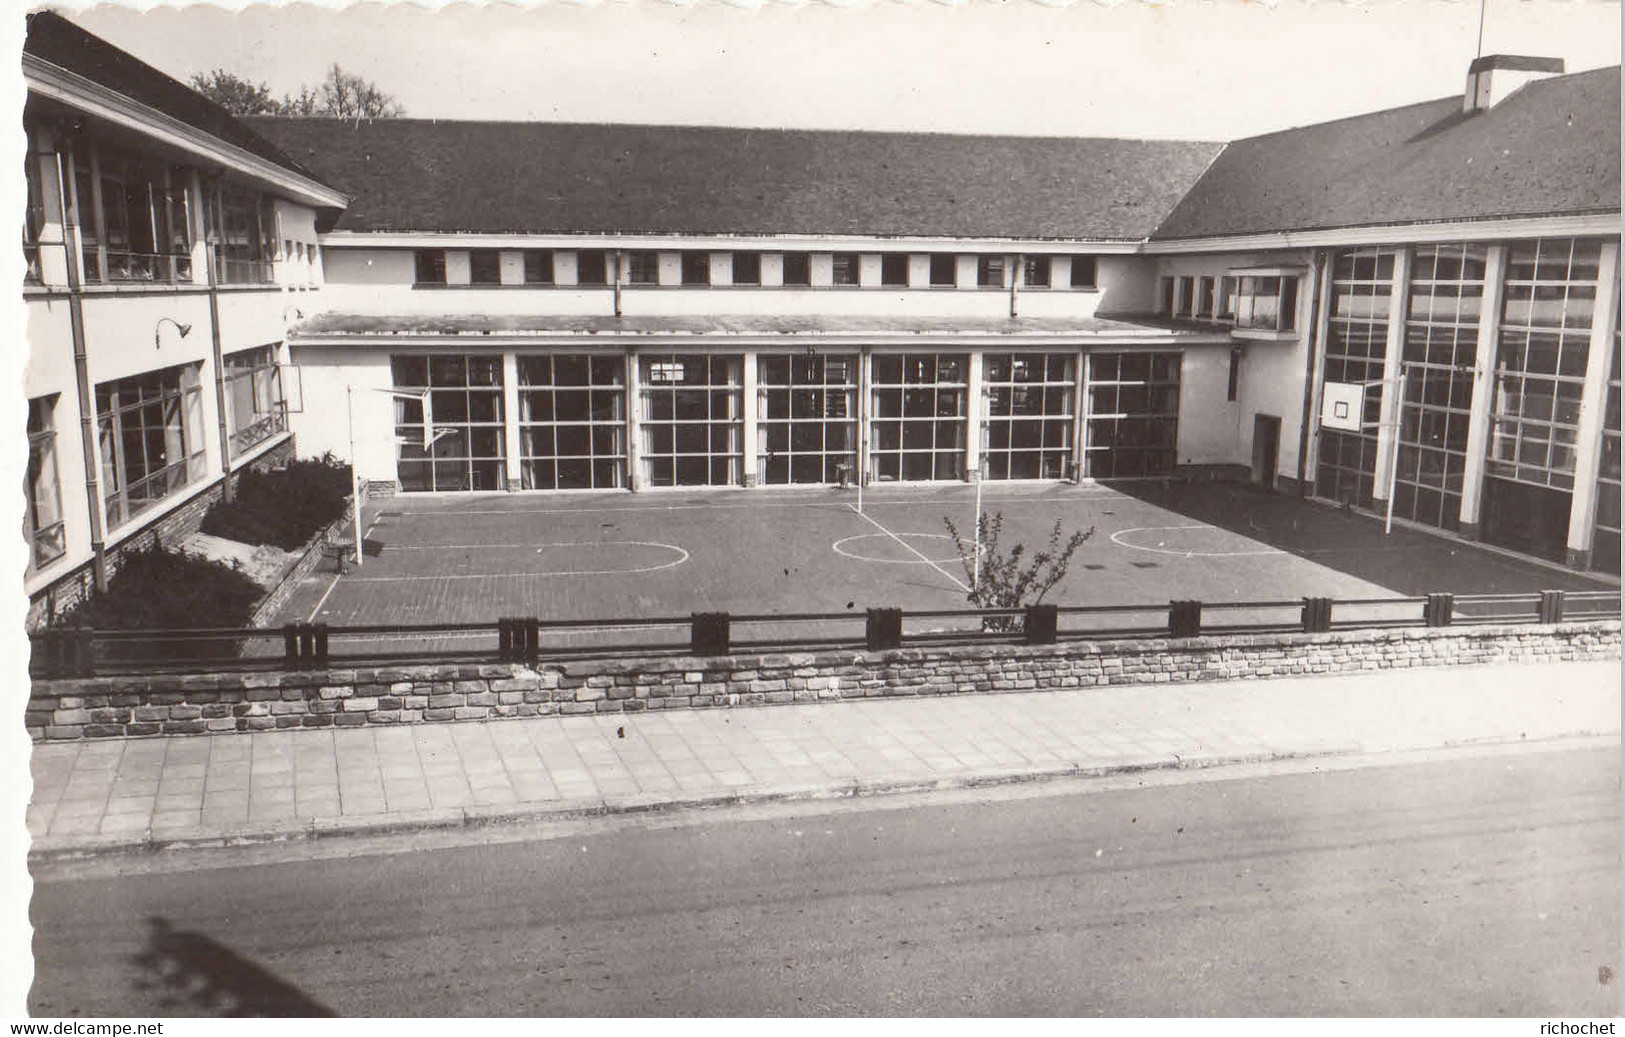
348	96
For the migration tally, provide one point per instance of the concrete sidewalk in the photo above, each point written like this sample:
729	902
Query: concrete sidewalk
118	795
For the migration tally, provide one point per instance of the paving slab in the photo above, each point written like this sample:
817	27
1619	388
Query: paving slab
226	789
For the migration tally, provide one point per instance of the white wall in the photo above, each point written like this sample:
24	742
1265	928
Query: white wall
323	425
1207	422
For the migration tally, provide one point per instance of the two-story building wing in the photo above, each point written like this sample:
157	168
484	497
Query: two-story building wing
166	245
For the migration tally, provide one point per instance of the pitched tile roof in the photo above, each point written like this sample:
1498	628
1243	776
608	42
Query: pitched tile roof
1550	148
54	39
560	178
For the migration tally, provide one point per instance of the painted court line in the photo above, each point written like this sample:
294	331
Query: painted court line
909	547
1187	553
752	506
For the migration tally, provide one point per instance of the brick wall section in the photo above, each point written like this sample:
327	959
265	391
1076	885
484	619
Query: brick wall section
110	707
72	588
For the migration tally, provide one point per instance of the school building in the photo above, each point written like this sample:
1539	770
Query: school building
1416	308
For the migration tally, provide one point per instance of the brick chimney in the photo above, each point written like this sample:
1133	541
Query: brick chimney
1492	77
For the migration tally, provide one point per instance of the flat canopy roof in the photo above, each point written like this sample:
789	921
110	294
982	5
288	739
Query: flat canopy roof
373	326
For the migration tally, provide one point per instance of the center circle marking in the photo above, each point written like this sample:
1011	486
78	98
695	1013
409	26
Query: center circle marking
840	548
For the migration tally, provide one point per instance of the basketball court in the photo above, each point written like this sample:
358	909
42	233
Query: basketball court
474	558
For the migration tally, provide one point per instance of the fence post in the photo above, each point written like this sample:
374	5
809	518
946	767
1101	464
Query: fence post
1551	606
1040	624
709	633
1317	615
320	647
290	644
1439	610
533	640
1184	618
883	629
84	655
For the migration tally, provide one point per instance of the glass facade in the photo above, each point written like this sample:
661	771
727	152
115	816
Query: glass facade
1356	347
1132	421
1027	431
806	418
572	422
1441	347
457	444
1605	543
255	410
918	416
693	425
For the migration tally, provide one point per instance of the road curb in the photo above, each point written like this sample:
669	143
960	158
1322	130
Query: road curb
66	848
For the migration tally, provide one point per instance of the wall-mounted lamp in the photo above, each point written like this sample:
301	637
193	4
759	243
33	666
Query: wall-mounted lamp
157	330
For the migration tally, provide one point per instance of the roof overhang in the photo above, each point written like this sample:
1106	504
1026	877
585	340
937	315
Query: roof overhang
1581	225
723	242
798	333
86	95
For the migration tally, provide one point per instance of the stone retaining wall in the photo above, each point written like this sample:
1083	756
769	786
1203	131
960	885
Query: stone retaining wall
110	707
309	559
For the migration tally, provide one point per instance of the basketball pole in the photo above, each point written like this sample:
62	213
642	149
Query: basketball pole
976	567
355	472
1393	466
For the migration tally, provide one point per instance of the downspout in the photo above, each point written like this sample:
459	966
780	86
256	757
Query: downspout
1015	279
81	372
228	491
1320	266
616	280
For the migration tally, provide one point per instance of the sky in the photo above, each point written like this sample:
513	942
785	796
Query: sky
1215	70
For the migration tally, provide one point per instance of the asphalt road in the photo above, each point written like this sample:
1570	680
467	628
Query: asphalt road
1474	885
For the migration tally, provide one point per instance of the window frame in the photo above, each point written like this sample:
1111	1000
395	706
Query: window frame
428	267
42	487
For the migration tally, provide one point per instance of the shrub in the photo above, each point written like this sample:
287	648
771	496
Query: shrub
156	589
285	507
1004	580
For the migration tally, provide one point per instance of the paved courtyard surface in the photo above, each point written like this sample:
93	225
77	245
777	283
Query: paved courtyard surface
142	793
474	558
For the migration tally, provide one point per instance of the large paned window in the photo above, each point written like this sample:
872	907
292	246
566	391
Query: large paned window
429	266
150	429
693	425
484	266
1133	415
806	418
141	230
1027	433
797	269
572	422
42	523
1605	544
255	410
1356	346
592	266
246	232
1441	344
1266	302
1540	365
464	448
538	266
917	424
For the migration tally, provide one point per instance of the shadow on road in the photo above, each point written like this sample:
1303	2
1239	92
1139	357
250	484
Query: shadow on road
1406	561
192	971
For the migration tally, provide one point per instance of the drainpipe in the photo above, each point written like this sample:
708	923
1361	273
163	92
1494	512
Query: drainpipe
617	282
81	369
1320	263
229	491
1015	279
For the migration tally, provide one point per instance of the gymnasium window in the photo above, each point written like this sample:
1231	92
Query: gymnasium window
572	422
1027	433
918	416
806	417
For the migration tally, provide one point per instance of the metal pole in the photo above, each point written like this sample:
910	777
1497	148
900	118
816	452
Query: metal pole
976	577
1393	465
355	473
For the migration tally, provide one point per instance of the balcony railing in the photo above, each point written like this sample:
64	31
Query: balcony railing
264	427
157	268
243	271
